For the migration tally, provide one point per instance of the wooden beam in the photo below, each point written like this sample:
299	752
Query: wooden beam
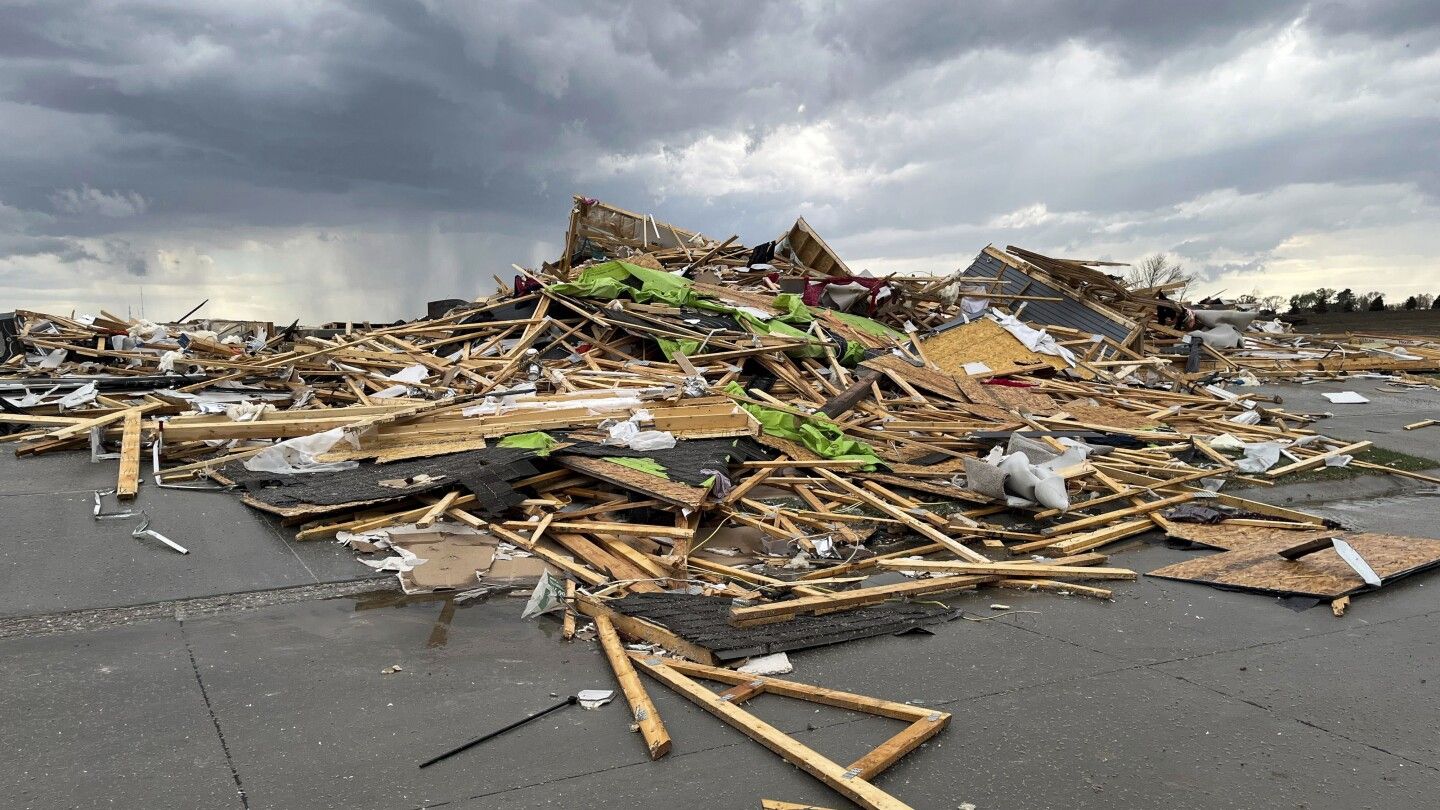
916	525
638	628
657	739
779	611
128	482
1016	570
1316	460
833	774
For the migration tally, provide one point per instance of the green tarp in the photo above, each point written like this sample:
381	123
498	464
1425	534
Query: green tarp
645	465
607	282
541	443
819	435
615	279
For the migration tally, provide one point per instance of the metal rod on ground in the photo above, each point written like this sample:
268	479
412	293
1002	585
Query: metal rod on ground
570	701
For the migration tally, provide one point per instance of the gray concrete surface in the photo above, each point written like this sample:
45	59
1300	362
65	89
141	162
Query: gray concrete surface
1173	695
63	559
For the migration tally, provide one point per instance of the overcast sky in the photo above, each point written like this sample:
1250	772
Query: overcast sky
330	160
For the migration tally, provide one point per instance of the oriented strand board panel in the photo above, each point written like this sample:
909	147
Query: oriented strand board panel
1006	397
985	341
1109	416
1229	537
1322	574
920	377
672	492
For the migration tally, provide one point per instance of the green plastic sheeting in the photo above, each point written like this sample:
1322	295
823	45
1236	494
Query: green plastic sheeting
541	443
793	309
645	465
607	282
684	346
820	435
615	279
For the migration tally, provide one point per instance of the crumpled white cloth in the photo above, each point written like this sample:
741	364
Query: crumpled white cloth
295	456
1036	340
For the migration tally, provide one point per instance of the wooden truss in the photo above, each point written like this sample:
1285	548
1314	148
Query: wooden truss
851	781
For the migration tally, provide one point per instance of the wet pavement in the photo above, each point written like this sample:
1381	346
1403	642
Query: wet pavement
1172	695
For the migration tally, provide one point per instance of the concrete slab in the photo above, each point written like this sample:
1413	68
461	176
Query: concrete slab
1153	620
108	719
1290	678
1381	420
53	472
57	557
1127	739
313	722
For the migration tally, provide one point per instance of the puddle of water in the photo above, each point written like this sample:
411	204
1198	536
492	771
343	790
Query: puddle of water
1374	505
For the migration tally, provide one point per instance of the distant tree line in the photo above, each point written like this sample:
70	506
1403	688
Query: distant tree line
1158	273
1325	299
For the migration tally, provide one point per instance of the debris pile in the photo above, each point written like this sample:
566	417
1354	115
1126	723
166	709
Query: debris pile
1106	322
727	451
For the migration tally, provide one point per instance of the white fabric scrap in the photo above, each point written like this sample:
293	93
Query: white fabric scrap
628	434
772	664
1036	340
410	374
295	456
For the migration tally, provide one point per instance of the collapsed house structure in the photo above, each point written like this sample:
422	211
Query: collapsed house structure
724	452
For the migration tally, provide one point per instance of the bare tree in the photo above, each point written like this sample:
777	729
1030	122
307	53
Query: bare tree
1158	271
1273	302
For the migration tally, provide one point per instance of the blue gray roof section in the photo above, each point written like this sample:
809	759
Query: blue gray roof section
1069	313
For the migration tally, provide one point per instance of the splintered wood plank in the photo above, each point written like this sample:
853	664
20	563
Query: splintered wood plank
643	630
128	482
833	774
918	526
780	611
1110	517
889	752
433	514
1316	460
1011	570
657	739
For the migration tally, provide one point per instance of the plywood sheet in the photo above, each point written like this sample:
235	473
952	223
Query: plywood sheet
672	492
1227	537
1108	416
1323	574
985	341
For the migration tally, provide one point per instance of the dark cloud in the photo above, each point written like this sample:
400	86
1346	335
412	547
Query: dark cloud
203	130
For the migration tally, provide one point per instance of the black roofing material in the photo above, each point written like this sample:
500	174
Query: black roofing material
705	620
687	461
363	483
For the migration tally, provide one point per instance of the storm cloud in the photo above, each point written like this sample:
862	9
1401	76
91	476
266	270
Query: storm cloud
330	160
